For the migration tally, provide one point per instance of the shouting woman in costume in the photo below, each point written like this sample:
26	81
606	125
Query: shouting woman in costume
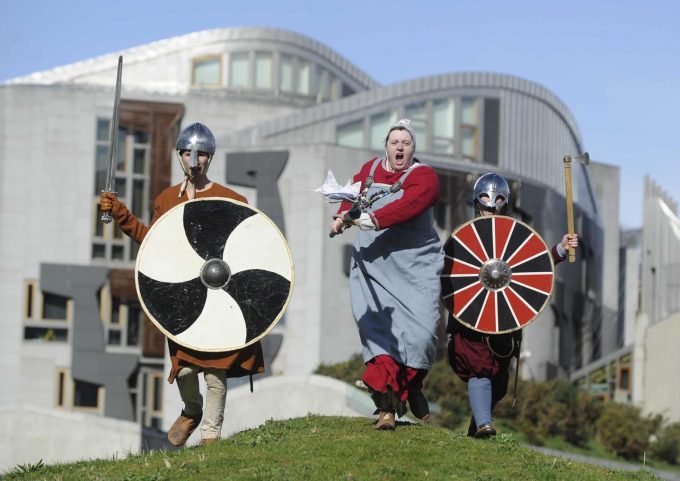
394	275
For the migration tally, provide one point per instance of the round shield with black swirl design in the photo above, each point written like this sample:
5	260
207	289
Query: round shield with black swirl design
214	274
498	274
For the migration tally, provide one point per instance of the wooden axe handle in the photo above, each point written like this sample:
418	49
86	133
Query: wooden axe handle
570	204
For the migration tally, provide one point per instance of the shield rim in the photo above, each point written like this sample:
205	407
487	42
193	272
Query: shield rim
552	284
228	348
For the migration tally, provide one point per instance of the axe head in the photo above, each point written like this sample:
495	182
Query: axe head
584	158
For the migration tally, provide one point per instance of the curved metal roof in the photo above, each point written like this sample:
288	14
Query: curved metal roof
423	87
102	63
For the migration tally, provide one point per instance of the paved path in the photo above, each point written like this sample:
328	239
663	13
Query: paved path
669	475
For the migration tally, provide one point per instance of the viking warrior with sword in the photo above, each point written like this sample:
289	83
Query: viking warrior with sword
195	148
394	274
489	267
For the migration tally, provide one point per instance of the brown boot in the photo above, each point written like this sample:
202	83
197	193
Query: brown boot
182	428
386	421
207	441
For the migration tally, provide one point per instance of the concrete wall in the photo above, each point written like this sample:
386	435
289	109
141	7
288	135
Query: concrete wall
283	397
660	381
32	434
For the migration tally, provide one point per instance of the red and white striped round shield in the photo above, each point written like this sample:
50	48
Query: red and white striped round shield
498	274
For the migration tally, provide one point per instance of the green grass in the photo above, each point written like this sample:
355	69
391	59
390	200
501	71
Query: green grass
336	448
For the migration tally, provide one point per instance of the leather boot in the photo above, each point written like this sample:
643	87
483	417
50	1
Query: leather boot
182	428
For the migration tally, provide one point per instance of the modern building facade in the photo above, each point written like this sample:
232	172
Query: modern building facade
285	109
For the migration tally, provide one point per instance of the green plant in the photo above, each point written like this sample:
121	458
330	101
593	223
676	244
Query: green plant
621	429
667	444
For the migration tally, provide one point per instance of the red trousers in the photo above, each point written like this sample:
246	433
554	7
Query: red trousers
383	371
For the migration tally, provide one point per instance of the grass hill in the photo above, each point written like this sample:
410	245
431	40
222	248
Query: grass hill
336	448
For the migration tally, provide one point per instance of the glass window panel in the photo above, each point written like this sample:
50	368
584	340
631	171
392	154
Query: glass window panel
103	129
121	187
122	135
86	394
137	197
115	310
54	306
469	142
46	334
263	70
61	390
351	135
207	72
304	78
324	84
443	116
139	162
98	251
239	69
98	224
29	301
286	78
114	337
468	108
377	129
418	115
134	313
141	137
144	389
101	168
134	248
117	252
117	233
157	394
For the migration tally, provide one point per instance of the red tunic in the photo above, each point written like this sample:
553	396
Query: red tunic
421	191
248	360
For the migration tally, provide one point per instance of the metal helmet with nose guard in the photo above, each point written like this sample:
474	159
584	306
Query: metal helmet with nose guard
196	138
491	192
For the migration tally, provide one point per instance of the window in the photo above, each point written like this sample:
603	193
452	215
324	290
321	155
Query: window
75	394
351	135
54	306
131	185
304	78
418	115
123	319
62	384
286	76
239	70
624	378
86	394
377	128
207	71
45	314
263	70
324	85
151	405
443	126
469	128
448	126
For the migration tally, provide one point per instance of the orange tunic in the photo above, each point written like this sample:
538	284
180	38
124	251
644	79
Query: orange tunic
248	360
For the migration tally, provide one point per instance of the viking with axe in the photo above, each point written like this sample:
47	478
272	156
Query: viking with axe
498	277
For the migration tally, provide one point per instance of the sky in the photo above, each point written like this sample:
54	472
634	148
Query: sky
615	64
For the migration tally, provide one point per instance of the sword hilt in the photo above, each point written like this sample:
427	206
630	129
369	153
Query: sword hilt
106	215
